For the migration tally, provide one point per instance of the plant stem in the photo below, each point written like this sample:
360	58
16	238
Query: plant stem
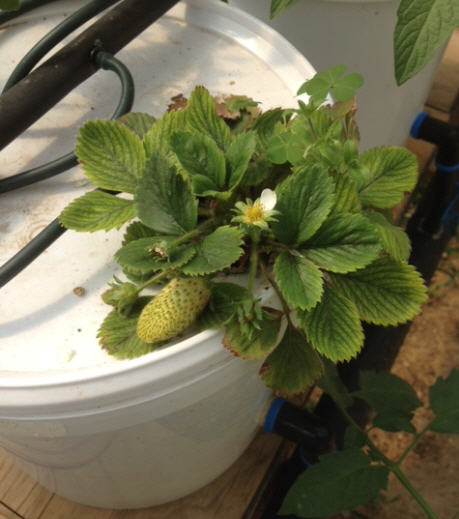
195	232
311	126
413	444
204	211
270	278
153	279
393	467
414	493
255	239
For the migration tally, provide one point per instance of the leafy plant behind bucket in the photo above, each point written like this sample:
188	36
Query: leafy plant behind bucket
422	27
282	197
346	479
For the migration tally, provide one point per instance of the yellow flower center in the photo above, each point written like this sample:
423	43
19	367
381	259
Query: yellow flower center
255	213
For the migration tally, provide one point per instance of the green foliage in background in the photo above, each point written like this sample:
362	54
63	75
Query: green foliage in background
422	27
346	479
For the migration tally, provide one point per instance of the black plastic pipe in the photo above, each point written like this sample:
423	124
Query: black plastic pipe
34	95
297	425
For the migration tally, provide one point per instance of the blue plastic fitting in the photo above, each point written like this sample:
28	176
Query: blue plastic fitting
446	169
271	415
420	118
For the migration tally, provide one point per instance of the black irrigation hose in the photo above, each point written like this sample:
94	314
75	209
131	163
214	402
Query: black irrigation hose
27	63
54	230
53	37
107	62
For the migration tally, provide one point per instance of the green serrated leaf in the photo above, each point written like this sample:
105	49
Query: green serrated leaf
117	334
346	196
303	201
139	123
236	104
385	174
333	326
157	140
258	171
293	366
111	156
144	255
423	26
340	481
164	199
265	124
9	5
279	6
218	250
385	292
299	279
224	300
319	128
135	231
97	211
393	399
202	116
394	239
344	243
258	345
277	148
238	155
204	186
198	154
444	398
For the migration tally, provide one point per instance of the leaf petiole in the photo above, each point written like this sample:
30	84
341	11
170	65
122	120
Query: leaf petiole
201	228
417	438
414	493
153	279
393	467
255	237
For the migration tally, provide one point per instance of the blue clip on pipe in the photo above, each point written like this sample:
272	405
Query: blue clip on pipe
271	415
415	127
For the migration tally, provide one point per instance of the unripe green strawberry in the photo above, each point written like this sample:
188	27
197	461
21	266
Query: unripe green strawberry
175	308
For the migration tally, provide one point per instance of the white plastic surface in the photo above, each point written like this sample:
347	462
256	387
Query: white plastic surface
359	34
122	434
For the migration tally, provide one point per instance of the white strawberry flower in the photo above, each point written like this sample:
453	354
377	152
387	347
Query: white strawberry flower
257	213
268	199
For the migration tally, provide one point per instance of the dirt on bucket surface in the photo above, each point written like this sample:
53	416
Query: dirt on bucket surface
430	350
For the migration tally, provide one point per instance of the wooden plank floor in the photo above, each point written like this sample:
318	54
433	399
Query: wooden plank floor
229	496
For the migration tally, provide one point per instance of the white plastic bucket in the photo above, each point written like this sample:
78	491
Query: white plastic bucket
358	34
102	432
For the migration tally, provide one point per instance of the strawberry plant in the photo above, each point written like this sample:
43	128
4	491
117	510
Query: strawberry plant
282	197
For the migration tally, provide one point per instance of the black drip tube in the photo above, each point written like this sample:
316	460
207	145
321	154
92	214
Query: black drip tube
297	425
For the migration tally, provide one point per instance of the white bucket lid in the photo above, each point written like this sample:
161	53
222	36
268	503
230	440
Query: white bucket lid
197	42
